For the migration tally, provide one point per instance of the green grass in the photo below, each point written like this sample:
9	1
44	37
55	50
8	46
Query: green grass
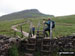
13	51
64	25
5	27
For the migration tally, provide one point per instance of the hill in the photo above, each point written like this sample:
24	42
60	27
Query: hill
24	14
66	19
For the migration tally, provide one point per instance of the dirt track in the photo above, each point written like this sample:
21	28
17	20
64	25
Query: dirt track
14	27
17	30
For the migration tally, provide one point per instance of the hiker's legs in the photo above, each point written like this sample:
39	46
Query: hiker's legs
46	29
33	32
49	31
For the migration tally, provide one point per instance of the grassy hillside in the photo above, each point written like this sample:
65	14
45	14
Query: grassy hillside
66	19
64	25
24	14
5	26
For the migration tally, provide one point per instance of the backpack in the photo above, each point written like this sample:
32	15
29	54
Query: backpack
53	24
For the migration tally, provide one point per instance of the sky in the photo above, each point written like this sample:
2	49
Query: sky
51	7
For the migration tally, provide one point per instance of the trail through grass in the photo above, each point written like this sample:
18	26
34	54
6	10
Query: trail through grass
64	25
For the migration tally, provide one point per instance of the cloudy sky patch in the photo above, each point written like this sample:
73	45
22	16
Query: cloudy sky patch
54	7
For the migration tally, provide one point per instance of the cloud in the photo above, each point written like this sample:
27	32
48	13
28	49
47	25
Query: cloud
2	14
54	7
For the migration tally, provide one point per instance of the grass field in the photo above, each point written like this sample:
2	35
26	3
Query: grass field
5	27
64	25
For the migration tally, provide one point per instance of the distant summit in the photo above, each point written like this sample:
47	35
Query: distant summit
31	10
31	13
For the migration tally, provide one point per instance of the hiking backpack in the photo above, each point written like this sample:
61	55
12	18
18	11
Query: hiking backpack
53	24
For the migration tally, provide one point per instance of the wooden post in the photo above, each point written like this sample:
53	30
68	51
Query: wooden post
44	30
38	28
21	31
30	32
14	33
51	30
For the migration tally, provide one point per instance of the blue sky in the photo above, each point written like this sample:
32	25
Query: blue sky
52	7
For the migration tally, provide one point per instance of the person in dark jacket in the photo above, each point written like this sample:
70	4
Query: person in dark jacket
48	26
33	30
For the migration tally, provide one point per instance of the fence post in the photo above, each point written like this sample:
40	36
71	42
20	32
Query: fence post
51	30
21	31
